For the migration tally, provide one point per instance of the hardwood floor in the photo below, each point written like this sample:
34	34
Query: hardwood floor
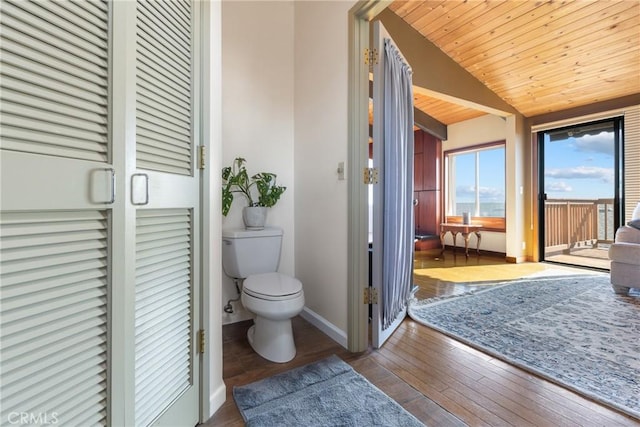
439	380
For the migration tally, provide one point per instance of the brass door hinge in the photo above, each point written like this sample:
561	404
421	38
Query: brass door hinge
370	296
370	56
202	343
201	156
370	175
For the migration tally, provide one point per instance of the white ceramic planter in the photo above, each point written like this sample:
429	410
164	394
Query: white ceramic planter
254	217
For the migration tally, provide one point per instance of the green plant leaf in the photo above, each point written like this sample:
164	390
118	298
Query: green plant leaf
235	179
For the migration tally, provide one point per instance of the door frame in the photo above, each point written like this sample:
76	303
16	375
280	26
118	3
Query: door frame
358	249
618	198
212	387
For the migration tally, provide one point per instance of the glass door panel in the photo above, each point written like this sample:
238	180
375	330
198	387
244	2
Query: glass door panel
580	203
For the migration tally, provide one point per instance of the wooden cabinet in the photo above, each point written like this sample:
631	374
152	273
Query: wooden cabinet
427	161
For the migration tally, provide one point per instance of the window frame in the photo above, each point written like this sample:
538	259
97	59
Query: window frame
488	223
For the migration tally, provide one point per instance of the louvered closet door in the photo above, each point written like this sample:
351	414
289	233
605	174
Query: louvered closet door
167	231
55	223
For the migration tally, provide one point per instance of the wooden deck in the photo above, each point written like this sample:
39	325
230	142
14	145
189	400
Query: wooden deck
588	257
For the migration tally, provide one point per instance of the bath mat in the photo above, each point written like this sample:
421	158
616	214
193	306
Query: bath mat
325	393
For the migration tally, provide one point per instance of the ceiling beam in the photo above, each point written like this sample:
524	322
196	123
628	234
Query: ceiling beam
437	75
429	124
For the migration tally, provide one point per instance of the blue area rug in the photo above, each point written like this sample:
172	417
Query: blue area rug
574	331
324	393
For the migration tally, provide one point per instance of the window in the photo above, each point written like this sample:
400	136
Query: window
475	183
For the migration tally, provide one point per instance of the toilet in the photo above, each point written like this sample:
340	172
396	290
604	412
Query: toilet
274	298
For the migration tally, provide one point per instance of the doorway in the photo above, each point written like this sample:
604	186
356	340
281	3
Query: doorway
581	187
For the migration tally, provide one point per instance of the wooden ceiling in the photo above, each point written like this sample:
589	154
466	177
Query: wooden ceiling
538	56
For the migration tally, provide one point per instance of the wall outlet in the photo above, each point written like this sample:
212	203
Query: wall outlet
524	245
340	171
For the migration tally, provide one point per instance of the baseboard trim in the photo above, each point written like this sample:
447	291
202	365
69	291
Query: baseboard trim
217	399
325	326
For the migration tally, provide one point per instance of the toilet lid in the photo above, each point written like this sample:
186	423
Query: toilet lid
272	285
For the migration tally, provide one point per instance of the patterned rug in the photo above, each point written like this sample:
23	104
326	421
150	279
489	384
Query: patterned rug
574	331
325	393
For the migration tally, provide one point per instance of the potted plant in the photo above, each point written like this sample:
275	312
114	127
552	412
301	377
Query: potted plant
235	179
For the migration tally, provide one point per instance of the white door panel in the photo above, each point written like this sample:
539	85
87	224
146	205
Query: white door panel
167	190
33	182
167	225
75	252
56	219
379	333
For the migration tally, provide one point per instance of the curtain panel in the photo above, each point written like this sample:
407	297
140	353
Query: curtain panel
398	222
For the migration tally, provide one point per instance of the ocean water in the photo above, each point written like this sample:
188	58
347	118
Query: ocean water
486	209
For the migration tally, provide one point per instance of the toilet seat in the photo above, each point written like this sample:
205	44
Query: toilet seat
272	286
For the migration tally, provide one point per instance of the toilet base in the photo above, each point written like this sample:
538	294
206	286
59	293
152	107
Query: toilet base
272	339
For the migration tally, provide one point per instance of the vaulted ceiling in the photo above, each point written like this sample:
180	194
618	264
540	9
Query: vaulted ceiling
540	57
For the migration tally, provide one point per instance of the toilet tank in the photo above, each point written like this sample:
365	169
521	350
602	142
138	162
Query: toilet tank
247	252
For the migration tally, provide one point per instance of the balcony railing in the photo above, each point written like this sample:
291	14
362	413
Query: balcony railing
578	223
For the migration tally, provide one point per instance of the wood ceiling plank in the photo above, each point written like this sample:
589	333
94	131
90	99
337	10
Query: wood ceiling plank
581	67
622	77
540	57
542	46
456	18
569	97
435	17
509	35
403	8
467	35
558	74
531	39
560	102
445	112
577	55
426	8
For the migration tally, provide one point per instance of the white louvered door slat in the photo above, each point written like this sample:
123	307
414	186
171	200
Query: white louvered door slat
54	326
631	160
55	227
81	82
167	236
46	87
163	310
164	64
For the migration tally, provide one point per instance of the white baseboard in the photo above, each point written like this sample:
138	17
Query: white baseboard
217	399
325	326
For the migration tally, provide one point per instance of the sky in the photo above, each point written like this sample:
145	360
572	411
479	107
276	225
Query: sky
575	168
492	176
580	168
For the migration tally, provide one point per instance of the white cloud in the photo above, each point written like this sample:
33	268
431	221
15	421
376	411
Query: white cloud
602	143
582	172
486	193
558	187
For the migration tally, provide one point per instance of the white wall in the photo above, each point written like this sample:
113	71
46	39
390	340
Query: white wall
321	129
257	112
488	128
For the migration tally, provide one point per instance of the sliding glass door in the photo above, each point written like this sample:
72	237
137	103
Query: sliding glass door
581	187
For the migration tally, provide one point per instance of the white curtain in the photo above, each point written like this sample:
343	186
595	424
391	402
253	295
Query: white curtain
398	225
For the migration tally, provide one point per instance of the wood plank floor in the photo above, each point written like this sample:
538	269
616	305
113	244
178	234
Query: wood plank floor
439	380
